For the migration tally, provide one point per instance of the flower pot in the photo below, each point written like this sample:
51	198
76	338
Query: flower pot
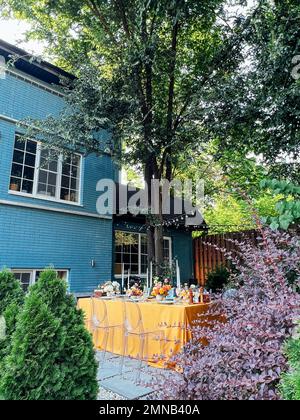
14	187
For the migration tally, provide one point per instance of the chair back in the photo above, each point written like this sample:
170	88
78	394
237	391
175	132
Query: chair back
132	315
99	317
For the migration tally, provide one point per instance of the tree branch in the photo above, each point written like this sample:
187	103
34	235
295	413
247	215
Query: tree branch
121	8
95	9
219	60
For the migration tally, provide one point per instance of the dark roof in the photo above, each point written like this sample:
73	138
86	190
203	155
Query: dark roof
39	69
172	220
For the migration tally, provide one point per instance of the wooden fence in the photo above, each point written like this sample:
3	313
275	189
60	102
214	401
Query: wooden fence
207	258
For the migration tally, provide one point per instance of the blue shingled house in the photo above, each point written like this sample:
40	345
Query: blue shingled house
48	207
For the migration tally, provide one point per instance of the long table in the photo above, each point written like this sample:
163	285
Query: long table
171	324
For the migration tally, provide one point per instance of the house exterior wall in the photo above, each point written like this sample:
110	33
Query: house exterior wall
35	233
182	246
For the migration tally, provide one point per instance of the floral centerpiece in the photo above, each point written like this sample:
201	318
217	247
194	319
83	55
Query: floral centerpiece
134	292
161	288
109	288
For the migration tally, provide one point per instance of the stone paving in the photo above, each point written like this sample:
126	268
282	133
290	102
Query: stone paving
134	383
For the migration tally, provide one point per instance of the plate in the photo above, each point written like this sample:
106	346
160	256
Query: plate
106	297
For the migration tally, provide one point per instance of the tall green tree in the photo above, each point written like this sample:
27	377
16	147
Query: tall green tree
142	68
52	355
256	108
11	301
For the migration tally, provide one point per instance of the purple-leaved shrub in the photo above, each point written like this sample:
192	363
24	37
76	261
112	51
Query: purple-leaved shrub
244	358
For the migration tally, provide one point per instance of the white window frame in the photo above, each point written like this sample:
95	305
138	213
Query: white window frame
169	239
140	235
33	273
57	198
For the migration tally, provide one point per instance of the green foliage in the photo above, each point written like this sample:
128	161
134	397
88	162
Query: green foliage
217	279
256	108
290	383
52	356
230	213
288	207
11	300
10	290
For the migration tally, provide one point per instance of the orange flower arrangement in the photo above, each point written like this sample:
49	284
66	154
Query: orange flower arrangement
134	291
161	289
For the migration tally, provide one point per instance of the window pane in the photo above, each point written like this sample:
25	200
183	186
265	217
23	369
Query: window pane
27	186
74	196
30	160
75	160
74	172
43	177
118	268
134	269
31	146
66	169
62	275
42	189
118	257
74	184
135	258
17	170
64	194
15	184
52	179
65	182
20	143
18	157
51	191
28	173
53	166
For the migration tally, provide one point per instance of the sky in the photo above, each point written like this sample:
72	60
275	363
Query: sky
13	31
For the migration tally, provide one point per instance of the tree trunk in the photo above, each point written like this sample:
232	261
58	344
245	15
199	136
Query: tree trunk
159	238
154	222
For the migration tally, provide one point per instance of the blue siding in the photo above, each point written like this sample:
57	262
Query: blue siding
183	251
36	239
21	100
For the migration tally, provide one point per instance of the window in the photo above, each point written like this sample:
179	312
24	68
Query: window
127	252
25	277
37	172
131	249
29	277
168	250
23	166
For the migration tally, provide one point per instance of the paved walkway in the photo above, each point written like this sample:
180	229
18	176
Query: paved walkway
136	382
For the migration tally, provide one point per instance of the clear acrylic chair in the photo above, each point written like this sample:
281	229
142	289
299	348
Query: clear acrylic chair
101	329
134	328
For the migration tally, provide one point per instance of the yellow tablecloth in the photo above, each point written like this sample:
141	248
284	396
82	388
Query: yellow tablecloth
175	322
